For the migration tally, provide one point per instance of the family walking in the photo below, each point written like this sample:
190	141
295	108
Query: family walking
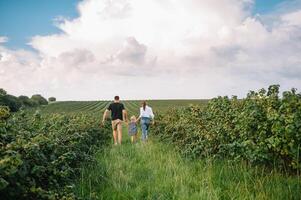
119	114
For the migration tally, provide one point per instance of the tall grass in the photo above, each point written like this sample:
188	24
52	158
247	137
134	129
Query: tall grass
156	171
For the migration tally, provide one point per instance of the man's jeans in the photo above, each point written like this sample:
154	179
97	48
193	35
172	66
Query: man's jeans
145	121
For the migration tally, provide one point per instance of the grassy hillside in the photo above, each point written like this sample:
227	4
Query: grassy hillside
100	106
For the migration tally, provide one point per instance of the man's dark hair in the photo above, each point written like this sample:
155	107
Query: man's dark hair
116	98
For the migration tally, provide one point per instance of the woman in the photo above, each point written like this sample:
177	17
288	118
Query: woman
146	116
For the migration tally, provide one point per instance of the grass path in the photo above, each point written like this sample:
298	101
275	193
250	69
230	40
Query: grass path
156	171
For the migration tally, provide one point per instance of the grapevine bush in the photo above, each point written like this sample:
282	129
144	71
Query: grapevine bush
40	155
262	128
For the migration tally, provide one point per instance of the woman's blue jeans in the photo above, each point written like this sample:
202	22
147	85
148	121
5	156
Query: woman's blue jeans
145	122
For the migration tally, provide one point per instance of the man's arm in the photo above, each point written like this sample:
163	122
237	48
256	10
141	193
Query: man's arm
104	116
125	115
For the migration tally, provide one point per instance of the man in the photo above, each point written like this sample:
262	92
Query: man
118	114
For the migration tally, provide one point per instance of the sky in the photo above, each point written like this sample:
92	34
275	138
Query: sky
154	49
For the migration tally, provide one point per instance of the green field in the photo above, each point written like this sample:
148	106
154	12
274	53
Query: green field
159	106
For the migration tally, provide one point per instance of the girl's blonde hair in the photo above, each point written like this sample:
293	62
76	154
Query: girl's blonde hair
133	117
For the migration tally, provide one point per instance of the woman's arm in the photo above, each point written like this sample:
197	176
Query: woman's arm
151	113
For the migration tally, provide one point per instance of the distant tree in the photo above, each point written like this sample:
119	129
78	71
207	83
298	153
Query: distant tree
39	99
51	99
11	101
26	101
15	103
2	92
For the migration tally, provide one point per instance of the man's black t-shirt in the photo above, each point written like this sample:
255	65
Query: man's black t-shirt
116	110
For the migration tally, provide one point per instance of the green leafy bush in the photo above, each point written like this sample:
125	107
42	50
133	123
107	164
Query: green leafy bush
4	112
40	154
261	128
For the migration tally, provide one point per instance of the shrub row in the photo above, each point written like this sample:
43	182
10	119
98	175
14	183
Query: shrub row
16	103
40	155
262	128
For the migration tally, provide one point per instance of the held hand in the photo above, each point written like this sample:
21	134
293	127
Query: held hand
103	123
153	122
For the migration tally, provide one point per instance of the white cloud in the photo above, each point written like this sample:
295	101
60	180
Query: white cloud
132	52
3	39
158	49
293	19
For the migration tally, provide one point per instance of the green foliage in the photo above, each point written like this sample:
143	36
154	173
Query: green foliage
51	99
40	154
27	102
261	129
39	99
11	101
16	103
4	112
2	92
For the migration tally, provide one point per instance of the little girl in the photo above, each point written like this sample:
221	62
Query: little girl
133	130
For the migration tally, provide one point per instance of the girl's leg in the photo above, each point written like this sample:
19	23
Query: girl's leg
134	139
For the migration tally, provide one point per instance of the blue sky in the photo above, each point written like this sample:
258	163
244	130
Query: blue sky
264	6
21	20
